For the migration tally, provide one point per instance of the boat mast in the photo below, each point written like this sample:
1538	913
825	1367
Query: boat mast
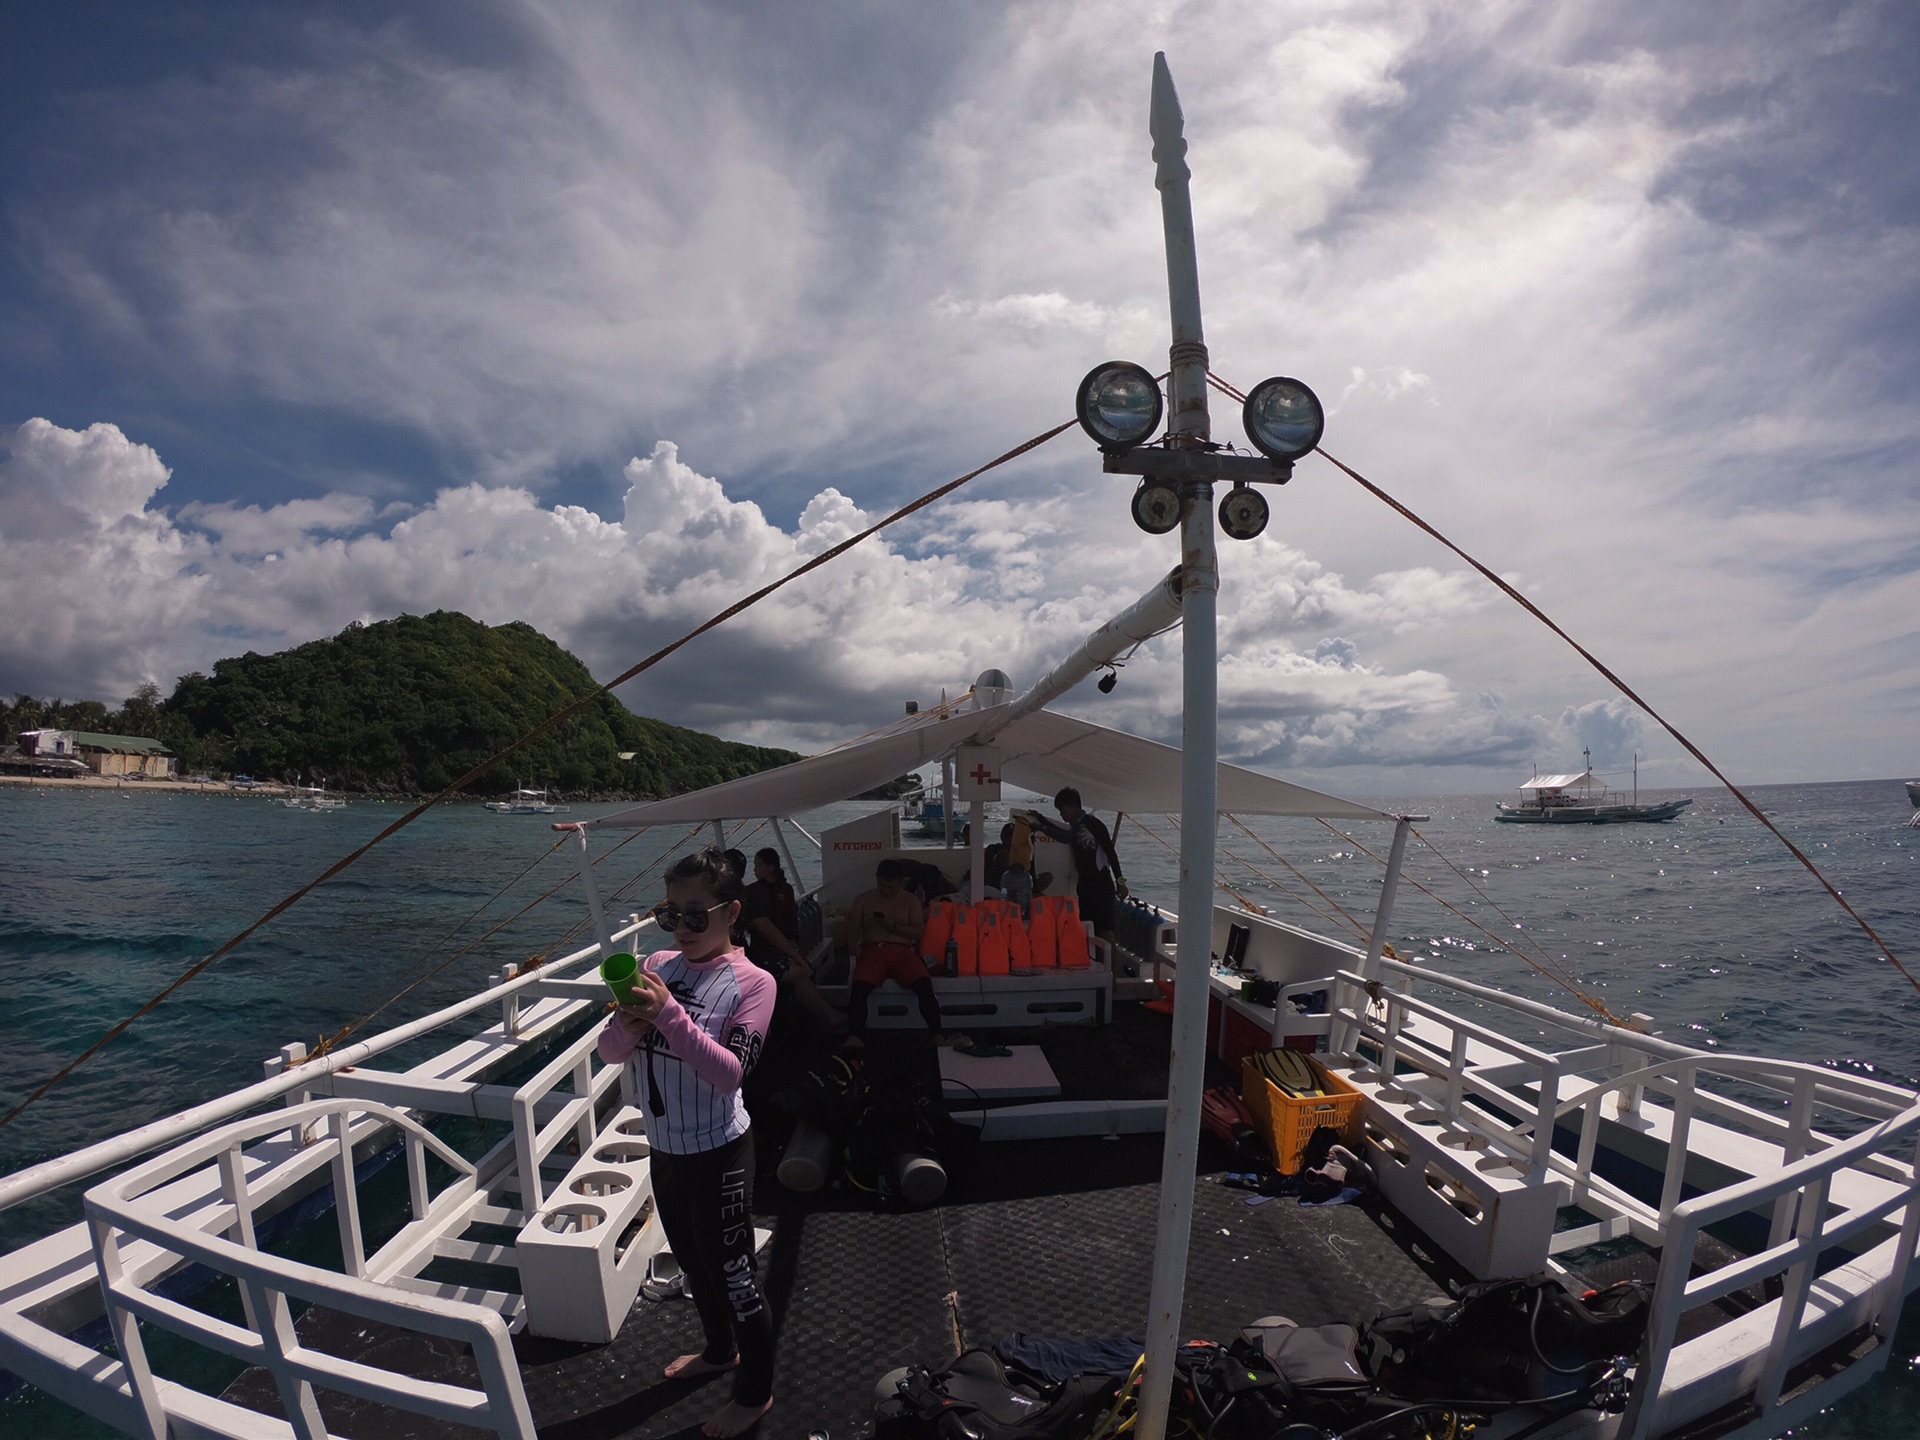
1188	428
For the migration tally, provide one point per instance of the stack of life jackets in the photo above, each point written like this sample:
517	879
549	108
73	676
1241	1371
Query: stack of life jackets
992	938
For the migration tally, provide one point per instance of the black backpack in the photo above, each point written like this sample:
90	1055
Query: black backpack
1507	1342
1237	1392
1323	1380
978	1398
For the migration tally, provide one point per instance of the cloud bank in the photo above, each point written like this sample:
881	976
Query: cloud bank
128	591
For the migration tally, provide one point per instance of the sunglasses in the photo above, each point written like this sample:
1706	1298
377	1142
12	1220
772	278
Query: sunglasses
670	917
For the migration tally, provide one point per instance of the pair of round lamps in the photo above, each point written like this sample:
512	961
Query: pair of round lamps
1119	405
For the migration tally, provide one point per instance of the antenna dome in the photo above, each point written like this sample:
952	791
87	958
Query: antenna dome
992	687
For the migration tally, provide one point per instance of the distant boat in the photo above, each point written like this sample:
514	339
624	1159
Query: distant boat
1584	799
312	797
1913	793
524	802
928	815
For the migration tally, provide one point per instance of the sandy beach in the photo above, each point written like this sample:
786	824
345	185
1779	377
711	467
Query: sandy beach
268	789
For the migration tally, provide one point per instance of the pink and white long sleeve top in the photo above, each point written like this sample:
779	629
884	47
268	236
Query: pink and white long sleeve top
689	1067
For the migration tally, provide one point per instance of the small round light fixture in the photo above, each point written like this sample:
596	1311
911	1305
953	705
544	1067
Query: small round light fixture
1283	418
1243	514
1119	405
1156	507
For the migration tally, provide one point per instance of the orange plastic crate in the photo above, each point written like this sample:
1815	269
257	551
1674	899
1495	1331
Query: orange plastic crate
1289	1122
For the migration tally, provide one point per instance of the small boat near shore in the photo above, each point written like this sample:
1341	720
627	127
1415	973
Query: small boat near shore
312	798
524	802
928	816
1913	793
1584	799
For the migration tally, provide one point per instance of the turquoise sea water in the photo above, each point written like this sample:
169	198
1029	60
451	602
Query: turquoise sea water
1706	923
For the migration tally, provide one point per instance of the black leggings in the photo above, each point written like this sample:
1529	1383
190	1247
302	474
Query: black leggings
858	996
705	1201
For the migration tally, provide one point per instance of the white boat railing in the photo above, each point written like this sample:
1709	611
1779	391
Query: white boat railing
64	1170
133	1206
1457	1068
575	1118
1530	1141
1803	1191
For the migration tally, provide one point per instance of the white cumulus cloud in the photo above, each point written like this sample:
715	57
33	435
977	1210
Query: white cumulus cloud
134	593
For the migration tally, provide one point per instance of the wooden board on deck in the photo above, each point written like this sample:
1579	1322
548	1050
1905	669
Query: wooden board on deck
1025	1074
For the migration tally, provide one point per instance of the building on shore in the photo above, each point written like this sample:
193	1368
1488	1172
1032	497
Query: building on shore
123	756
48	765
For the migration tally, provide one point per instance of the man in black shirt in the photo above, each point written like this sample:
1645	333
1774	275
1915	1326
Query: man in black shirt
1096	863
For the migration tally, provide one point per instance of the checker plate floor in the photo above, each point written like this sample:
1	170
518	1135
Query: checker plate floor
1052	1238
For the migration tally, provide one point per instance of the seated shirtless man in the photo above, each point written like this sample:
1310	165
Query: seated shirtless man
883	930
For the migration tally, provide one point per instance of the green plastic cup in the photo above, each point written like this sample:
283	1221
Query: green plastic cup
622	974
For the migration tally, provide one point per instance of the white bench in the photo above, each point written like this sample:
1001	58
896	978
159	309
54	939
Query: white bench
1472	1198
584	1253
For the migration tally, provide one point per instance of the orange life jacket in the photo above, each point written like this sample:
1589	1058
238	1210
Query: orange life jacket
1019	942
1043	935
1074	954
939	930
966	938
995	958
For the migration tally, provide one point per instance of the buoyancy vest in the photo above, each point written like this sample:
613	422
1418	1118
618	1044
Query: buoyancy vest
1043	934
966	938
1019	942
995	958
1074	954
1020	849
939	930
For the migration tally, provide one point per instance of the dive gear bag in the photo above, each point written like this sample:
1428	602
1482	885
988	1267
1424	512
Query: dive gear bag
978	1398
1507	1341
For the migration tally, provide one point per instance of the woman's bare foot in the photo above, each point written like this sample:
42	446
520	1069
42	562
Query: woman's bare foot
734	1419
692	1367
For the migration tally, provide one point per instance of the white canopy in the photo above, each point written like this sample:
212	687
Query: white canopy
1040	751
1586	780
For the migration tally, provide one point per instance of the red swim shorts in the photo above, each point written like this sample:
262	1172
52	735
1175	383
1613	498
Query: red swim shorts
899	963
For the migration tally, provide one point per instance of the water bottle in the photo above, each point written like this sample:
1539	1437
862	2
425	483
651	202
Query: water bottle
953	957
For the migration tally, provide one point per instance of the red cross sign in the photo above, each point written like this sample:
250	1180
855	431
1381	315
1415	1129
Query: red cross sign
977	770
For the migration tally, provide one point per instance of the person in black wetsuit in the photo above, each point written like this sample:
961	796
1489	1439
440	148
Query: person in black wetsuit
1096	863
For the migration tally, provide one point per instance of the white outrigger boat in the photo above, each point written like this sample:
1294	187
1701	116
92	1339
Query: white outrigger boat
312	798
1772	1204
524	802
1585	799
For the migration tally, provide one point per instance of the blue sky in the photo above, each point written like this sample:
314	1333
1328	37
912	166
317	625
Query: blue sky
598	317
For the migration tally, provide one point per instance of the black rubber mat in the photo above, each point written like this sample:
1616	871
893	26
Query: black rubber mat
1047	1237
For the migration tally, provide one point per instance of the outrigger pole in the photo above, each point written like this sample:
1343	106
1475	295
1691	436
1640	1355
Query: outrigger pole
1188	428
1152	614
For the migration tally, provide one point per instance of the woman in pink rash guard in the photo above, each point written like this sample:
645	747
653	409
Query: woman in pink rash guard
691	1039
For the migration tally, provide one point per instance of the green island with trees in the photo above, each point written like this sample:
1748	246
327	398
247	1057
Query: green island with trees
405	706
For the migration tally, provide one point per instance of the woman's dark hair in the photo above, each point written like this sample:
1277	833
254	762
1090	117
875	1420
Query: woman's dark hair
767	855
711	865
